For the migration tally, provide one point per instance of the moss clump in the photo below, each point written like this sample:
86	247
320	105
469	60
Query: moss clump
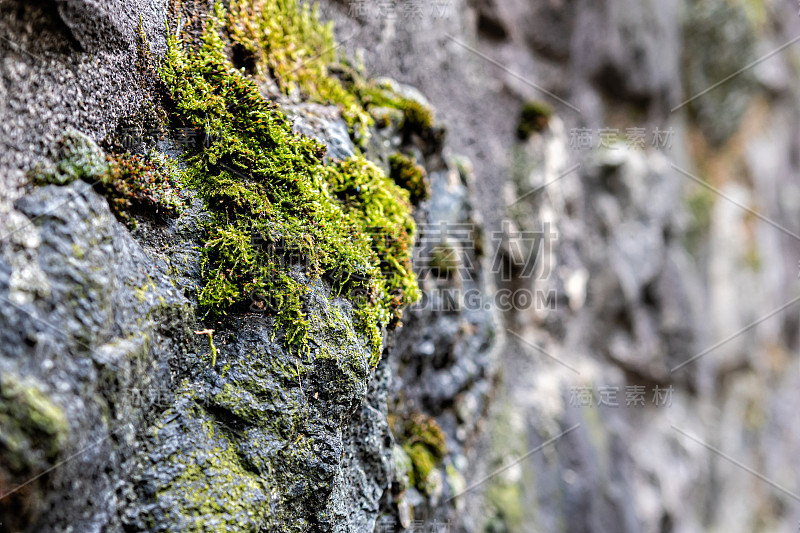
76	157
534	117
381	211
379	96
288	41
416	117
272	199
141	182
409	175
127	181
424	443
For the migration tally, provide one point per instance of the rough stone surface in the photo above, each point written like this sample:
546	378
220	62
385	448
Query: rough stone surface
126	421
113	416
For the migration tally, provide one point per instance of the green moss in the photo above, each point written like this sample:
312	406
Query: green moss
700	204
382	211
424	442
416	117
287	41
141	182
534	117
33	428
211	491
506	499
410	176
423	463
379	96
273	201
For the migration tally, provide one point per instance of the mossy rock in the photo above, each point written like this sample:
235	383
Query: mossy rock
272	197
287	41
533	118
380	96
74	157
33	434
409	175
33	428
424	443
145	183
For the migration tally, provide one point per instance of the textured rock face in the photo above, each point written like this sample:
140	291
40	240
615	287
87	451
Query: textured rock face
120	409
551	292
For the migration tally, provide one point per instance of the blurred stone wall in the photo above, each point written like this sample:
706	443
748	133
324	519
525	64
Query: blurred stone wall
665	341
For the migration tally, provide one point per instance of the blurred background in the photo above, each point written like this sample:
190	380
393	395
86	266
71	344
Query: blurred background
663	333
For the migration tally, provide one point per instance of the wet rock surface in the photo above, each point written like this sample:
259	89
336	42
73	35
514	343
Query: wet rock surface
119	411
122	410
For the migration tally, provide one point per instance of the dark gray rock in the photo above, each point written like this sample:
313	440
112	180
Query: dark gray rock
110	405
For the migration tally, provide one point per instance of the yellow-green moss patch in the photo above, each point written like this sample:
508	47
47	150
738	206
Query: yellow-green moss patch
33	428
424	442
287	41
409	175
280	217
